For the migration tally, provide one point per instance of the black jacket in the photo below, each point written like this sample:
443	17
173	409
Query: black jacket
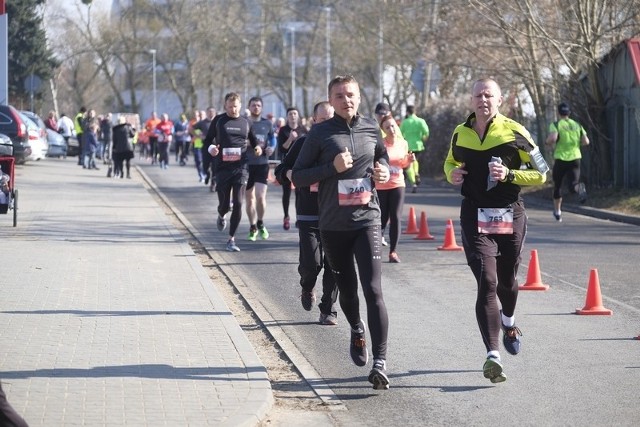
362	137
122	135
306	200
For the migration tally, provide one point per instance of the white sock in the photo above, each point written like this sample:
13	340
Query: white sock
384	363
508	321
495	354
558	212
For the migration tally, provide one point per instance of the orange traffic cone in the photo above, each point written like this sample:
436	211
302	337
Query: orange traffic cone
449	239
534	280
412	227
593	304
424	229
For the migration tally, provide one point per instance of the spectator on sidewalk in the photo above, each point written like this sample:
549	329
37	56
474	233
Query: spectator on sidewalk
123	134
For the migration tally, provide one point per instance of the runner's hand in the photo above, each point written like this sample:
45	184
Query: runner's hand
343	161
457	175
380	173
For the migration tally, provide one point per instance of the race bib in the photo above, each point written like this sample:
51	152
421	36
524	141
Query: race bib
394	171
261	140
352	192
314	187
495	220
231	154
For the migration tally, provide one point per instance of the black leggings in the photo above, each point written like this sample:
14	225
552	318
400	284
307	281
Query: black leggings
286	198
311	262
225	191
562	168
494	260
340	248
391	203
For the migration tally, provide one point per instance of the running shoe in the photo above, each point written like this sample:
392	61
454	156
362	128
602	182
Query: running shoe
582	193
253	234
328	319
511	340
264	234
307	299
414	190
394	258
383	241
492	369
232	247
222	223
557	216
286	224
358	346
378	375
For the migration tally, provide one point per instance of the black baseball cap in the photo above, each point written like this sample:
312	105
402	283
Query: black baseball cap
383	109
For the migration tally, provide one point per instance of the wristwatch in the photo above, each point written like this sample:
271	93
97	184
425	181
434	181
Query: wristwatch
510	176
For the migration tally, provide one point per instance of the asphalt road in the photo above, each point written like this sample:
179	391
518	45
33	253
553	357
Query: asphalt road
573	370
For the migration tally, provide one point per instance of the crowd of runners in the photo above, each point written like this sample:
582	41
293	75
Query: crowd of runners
349	173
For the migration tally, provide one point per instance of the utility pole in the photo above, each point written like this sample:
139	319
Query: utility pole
4	55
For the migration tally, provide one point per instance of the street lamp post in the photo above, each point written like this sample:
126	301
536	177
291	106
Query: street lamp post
328	44
153	66
293	64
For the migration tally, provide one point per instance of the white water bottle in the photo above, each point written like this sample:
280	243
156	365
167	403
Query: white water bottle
490	181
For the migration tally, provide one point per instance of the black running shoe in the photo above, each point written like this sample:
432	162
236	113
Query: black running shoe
582	193
222	223
492	369
378	375
358	347
307	299
511	340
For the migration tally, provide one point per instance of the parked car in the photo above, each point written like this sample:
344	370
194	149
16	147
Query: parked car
12	125
37	139
57	144
73	146
6	146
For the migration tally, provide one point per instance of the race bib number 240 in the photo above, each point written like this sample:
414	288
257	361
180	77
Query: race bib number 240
352	192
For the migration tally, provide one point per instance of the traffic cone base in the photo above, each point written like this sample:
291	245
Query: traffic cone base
534	279
424	229
412	227
593	304
449	239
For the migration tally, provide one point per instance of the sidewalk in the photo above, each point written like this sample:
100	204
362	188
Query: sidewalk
107	316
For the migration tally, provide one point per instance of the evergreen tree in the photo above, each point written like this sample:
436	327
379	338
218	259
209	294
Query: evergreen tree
28	51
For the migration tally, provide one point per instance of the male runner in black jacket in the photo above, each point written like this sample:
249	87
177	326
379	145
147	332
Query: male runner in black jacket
347	156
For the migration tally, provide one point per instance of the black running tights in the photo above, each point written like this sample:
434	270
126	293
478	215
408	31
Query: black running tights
225	192
391	203
494	260
340	248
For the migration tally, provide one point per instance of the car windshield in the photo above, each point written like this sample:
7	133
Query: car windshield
35	118
31	125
